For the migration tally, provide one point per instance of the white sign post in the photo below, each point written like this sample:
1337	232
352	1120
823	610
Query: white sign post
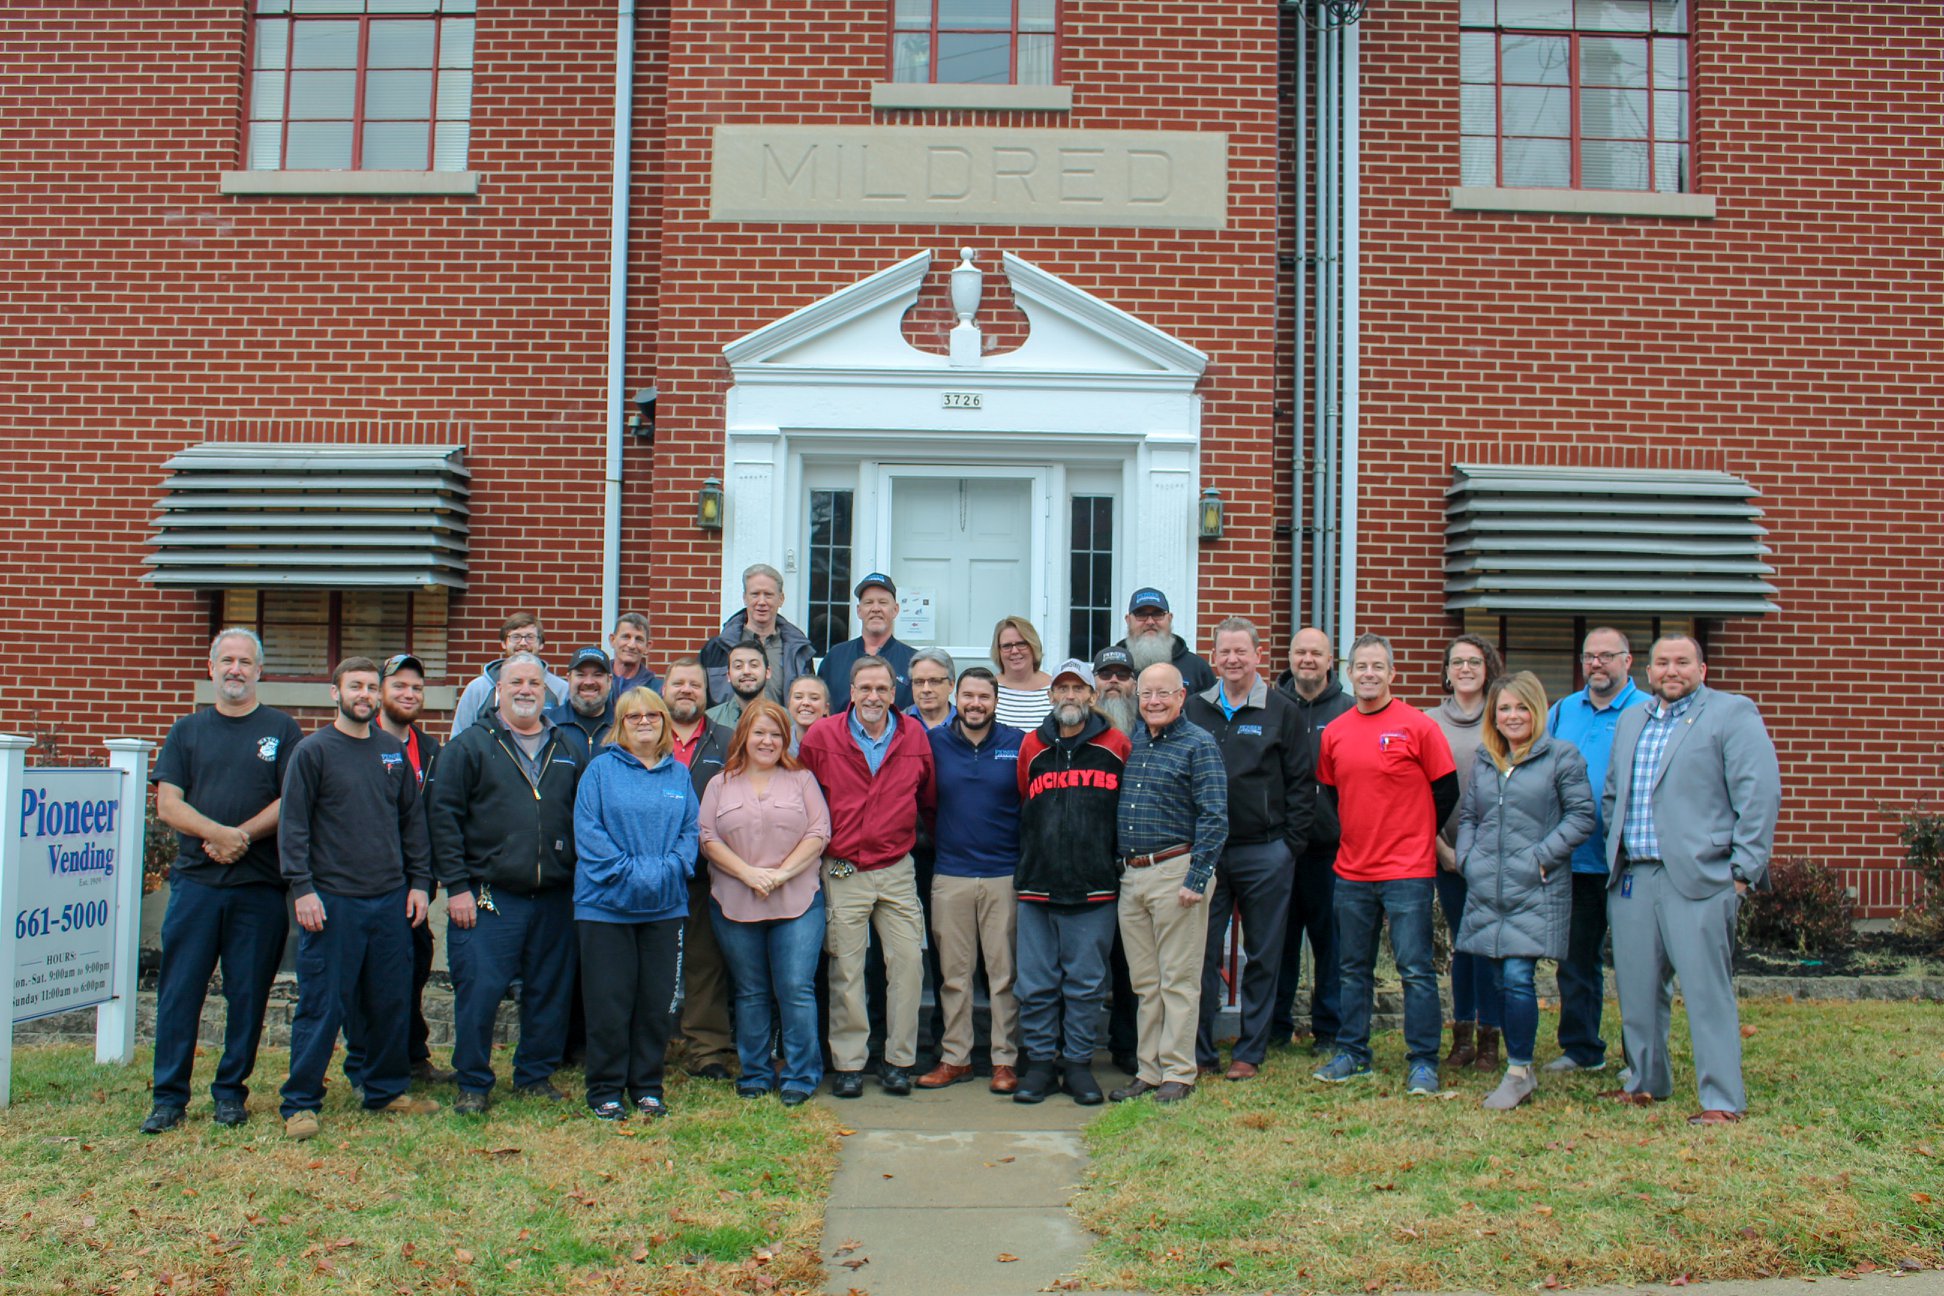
71	853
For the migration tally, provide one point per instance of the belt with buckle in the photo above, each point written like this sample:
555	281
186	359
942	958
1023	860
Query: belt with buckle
1149	861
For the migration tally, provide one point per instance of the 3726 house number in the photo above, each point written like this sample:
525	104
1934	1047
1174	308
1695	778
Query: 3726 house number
964	400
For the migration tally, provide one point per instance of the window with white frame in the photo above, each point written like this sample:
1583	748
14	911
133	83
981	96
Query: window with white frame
1576	94
975	42
360	85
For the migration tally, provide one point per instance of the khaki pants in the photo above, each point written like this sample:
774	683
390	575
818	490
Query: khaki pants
705	1008
1164	941
886	899
970	917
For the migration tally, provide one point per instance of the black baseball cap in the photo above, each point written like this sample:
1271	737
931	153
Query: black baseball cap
591	657
878	579
398	662
1148	597
1111	658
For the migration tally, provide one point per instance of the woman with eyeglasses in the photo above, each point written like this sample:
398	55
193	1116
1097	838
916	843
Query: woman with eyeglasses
1471	666
1023	697
1527	806
764	826
635	832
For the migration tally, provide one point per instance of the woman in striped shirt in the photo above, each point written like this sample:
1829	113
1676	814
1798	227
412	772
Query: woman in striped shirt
1023	697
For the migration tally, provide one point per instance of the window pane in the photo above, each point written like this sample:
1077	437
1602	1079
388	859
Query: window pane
971	59
1671	168
1537	60
1531	111
373	623
449	141
266	96
986	14
1613	15
394	95
396	44
1670	65
1536	13
326	45
296	632
1478	58
1538	164
1612	114
322	94
319	146
273	6
1613	164
266	138
456	43
913	13
911	57
1476	13
429	631
330	6
1670	115
1478	160
455	94
1670	15
461	6
1478	109
1036	60
395	146
1613	61
404	6
1036	15
273	42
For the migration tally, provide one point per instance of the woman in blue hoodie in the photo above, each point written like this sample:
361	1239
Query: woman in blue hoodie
635	833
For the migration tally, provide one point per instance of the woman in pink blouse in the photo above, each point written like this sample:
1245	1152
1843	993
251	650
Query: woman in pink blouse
764	825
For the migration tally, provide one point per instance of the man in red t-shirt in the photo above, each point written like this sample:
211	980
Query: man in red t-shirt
1390	771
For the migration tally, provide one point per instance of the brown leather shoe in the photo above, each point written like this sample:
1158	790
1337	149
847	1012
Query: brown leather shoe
1241	1071
1714	1117
944	1074
1629	1097
1004	1080
1133	1090
1201	1070
1172	1091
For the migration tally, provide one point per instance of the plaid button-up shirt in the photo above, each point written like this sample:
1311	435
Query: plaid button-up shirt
1174	791
1638	835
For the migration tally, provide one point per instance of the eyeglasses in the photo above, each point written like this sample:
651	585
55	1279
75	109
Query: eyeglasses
1147	614
1157	695
1016	646
1602	659
524	639
645	717
1476	663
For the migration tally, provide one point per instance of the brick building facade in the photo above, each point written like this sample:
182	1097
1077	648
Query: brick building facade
1769	316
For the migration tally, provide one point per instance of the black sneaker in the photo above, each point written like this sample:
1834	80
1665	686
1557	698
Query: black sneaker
470	1104
1035	1083
795	1097
609	1111
541	1089
847	1084
231	1111
162	1120
1081	1086
895	1080
650	1106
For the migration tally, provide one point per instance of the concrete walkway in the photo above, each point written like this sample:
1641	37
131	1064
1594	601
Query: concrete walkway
933	1189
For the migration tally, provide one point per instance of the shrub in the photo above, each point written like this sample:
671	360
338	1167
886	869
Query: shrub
1921	830
1804	910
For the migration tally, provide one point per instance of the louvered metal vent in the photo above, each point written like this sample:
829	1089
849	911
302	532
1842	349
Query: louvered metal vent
1583	540
337	516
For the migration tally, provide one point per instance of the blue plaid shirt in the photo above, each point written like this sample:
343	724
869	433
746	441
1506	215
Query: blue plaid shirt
1638	836
1174	791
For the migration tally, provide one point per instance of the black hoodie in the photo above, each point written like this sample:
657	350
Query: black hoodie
490	823
1069	793
1332	702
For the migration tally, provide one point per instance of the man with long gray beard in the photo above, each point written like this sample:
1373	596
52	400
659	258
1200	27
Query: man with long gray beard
1151	640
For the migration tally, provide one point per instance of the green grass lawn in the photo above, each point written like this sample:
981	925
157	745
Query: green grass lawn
722	1196
1285	1184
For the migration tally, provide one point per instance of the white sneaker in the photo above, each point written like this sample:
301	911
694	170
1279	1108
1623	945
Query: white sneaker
1562	1065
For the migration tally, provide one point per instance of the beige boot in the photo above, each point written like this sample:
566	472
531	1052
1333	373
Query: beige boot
1515	1088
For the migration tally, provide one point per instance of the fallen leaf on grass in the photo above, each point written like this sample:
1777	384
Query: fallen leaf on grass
1750	1232
1226	1266
1542	1210
498	1152
1007	1257
1921	1198
1924	1150
845	1131
1910	1266
857	1263
1680	1280
1748	1032
640	1254
1551	1283
408	1249
850	1245
462	1255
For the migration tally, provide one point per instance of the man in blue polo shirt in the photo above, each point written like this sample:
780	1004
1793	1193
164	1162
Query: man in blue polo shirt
877	613
1587	719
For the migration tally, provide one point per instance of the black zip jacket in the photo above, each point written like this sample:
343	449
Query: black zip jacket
1069	793
490	823
1325	829
1271	773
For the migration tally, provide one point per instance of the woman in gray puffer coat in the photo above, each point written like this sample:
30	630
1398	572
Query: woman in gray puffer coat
1527	807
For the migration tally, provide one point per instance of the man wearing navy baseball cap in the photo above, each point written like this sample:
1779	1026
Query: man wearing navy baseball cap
877	613
1151	640
590	696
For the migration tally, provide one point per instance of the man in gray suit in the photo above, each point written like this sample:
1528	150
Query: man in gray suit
1691	801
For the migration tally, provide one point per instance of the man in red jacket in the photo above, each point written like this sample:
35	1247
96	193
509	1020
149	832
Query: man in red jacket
875	768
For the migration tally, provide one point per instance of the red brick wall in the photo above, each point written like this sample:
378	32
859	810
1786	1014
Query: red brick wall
1791	340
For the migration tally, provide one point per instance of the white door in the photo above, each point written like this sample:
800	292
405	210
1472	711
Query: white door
965	549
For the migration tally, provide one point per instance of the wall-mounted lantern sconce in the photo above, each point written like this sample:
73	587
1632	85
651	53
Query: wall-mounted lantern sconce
642	421
708	505
1210	514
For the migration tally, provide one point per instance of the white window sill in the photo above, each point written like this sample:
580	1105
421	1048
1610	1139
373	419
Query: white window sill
339	184
993	98
1584	202
299	693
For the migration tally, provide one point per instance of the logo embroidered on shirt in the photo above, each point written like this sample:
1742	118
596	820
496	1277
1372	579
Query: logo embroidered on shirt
1005	755
1384	741
267	749
1249	731
394	761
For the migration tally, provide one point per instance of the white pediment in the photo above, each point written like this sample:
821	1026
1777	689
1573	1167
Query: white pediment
857	332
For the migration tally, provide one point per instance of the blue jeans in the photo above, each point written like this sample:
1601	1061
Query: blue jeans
1474	992
1361	908
531	937
1582	979
364	957
775	958
243	928
1521	1007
